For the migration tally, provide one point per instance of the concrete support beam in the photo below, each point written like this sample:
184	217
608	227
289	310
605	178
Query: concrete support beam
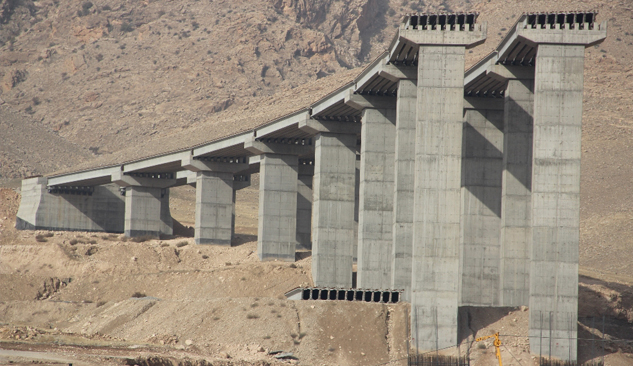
375	219
333	209
482	166
313	126
289	147
437	192
99	208
361	102
147	211
304	205
516	192
403	187
277	226
558	93
146	202
215	208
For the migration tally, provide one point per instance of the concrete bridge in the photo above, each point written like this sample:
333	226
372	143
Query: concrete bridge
466	182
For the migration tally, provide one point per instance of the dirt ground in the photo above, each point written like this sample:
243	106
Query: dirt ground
98	299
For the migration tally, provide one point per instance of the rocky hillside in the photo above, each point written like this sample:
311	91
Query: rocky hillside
101	77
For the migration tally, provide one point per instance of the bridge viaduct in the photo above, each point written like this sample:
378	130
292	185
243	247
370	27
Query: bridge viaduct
466	183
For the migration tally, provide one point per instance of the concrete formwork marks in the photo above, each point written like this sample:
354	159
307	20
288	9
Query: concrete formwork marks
403	187
481	207
214	208
516	200
437	197
103	210
556	198
143	211
333	210
277	226
375	220
304	207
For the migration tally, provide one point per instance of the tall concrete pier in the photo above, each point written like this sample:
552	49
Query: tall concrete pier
437	190
482	164
401	260
304	204
516	192
375	220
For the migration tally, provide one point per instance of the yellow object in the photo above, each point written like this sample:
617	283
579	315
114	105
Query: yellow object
497	344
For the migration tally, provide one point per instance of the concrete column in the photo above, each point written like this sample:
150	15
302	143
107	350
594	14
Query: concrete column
375	218
558	92
304	205
215	207
143	212
99	208
333	209
403	187
482	163
356	208
277	227
437	196
516	193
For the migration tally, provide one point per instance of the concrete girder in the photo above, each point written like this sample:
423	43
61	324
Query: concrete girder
254	146
504	72
314	127
163	163
197	165
124	180
361	102
87	178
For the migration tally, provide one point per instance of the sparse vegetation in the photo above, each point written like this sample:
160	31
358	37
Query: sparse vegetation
126	27
73	241
100	303
138	294
143	238
40	238
252	316
266	336
163	245
181	244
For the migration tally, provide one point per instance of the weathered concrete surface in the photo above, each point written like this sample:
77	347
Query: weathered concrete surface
215	208
516	193
437	197
147	211
104	210
482	165
333	209
403	187
558	92
277	226
304	206
375	219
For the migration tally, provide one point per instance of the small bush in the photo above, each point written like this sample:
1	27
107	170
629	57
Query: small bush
252	316
99	57
143	238
331	349
106	8
266	336
292	265
163	245
293	335
36	101
92	241
40	238
126	27
216	318
138	294
243	279
481	346
296	342
100	303
273	311
205	256
254	305
182	244
73	241
29	110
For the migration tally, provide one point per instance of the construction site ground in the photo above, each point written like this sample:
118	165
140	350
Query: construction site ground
99	299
